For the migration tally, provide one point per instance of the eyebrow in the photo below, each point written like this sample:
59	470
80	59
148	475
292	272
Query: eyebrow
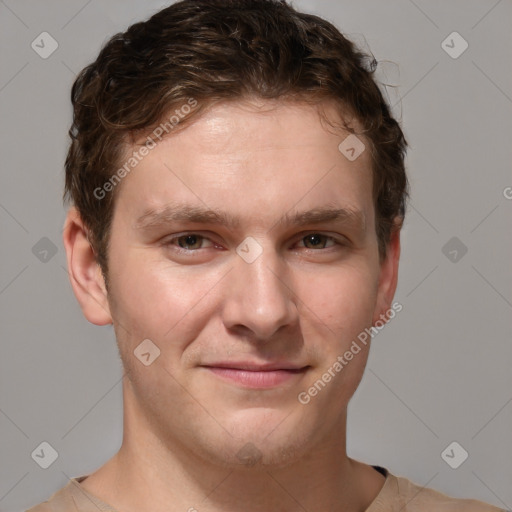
157	217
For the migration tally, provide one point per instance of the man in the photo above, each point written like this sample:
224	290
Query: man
238	190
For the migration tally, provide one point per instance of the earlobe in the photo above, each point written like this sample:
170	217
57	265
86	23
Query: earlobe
84	271
388	277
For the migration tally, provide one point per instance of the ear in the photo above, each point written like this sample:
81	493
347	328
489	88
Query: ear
388	277
84	271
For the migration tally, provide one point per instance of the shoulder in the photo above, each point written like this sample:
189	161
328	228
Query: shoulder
415	498
60	500
72	497
42	507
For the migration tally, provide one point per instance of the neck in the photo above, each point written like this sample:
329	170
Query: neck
149	474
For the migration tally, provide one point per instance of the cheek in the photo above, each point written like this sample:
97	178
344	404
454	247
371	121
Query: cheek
337	313
343	298
154	299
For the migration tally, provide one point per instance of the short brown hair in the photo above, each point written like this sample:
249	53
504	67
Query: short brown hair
220	50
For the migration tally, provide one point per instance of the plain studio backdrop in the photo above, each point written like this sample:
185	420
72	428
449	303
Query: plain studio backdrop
438	373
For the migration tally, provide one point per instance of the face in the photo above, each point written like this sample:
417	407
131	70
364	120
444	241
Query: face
244	248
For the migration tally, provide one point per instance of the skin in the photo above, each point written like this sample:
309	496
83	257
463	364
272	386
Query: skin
302	302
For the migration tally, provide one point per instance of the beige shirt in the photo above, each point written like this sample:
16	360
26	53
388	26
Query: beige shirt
397	495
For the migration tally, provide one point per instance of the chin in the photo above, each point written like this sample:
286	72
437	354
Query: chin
254	456
262	445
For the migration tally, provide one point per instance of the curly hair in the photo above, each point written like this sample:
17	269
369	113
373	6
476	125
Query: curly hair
221	50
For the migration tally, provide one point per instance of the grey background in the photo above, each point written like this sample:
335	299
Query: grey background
439	372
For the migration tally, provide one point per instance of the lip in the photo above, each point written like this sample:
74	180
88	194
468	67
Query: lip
258	376
256	367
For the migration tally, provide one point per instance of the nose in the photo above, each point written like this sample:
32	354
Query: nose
259	298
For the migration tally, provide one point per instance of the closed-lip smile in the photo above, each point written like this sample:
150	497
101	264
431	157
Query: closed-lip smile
256	375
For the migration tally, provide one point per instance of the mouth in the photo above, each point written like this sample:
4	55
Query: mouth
257	376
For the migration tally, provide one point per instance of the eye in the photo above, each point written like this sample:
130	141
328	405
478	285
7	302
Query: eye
189	241
318	241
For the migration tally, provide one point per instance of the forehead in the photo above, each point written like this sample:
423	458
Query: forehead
264	124
241	154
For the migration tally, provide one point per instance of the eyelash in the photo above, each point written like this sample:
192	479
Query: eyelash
170	242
